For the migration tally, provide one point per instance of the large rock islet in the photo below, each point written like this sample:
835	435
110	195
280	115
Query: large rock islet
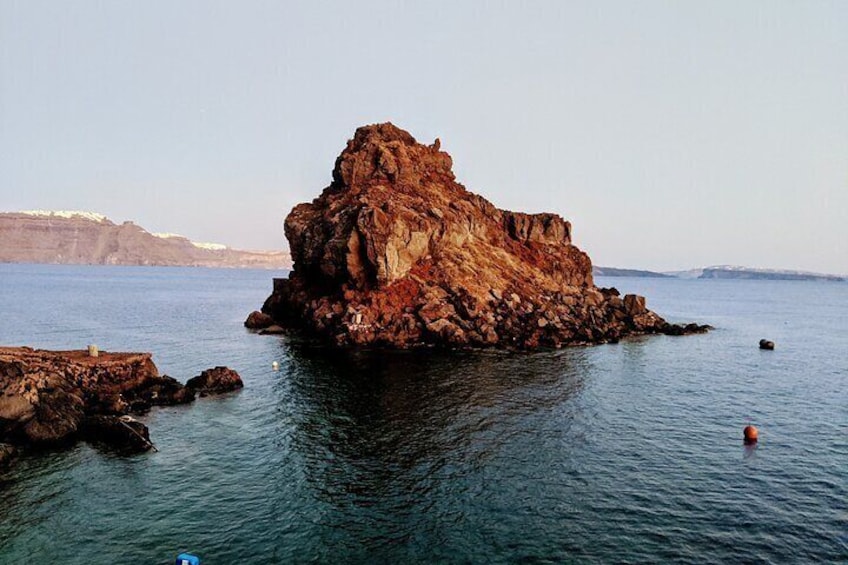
396	253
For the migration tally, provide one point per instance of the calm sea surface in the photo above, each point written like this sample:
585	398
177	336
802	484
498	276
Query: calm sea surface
617	453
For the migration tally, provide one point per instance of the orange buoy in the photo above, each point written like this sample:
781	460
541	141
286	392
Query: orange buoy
750	433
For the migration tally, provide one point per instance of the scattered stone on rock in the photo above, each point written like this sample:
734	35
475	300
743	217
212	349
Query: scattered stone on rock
396	253
258	320
215	381
766	344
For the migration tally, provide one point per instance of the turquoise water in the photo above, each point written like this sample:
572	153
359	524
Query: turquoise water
618	453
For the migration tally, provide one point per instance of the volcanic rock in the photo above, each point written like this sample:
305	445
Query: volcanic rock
157	391
51	397
395	252
123	431
257	320
215	381
45	395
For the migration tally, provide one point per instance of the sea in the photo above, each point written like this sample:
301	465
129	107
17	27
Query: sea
621	453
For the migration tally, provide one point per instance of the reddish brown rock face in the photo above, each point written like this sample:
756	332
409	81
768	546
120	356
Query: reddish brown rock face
396	253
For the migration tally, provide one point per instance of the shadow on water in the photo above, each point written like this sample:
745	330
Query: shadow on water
392	443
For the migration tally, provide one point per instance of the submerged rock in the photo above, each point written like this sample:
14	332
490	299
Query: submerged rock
396	253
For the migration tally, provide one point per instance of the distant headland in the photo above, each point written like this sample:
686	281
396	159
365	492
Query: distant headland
87	238
723	272
396	253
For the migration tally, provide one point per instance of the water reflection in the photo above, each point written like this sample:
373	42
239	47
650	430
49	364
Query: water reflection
750	451
372	428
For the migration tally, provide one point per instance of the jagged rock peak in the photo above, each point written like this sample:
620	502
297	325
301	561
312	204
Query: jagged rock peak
382	153
396	252
392	204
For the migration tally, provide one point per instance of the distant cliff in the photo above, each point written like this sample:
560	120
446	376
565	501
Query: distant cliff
84	238
615	272
722	272
729	272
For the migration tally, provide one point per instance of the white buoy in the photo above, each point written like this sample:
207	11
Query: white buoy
92	351
275	366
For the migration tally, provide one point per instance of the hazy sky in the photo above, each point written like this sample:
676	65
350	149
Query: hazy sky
671	134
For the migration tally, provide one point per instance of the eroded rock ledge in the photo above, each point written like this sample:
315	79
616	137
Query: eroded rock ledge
54	397
396	253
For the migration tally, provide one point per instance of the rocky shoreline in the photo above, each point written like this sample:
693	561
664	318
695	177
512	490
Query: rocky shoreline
396	253
50	398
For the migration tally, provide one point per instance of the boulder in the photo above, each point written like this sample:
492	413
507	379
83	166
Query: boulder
258	321
215	381
634	305
395	252
766	344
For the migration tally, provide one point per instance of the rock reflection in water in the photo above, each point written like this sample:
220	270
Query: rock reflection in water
395	442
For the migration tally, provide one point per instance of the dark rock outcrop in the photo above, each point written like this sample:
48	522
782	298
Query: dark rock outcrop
123	431
215	381
396	253
766	344
159	391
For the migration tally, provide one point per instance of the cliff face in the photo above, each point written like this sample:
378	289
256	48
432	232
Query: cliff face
92	240
727	272
395	252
